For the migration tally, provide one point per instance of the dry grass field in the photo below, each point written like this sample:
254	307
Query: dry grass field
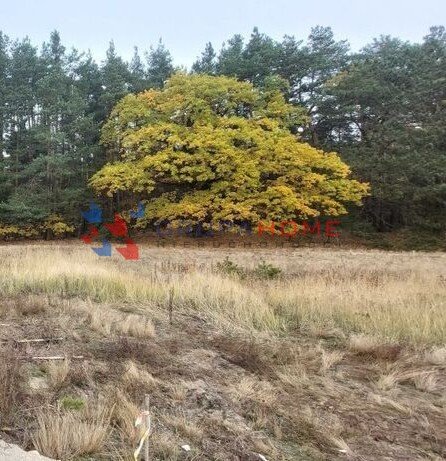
277	354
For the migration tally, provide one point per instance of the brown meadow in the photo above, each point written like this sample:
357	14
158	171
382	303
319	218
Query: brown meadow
291	354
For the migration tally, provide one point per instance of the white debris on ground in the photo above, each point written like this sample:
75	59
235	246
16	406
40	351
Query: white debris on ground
10	452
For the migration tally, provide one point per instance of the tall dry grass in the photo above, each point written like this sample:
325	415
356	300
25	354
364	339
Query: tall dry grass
70	434
400	296
410	307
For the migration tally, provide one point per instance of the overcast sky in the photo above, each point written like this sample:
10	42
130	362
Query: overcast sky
185	26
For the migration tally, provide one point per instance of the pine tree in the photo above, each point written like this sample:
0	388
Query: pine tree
116	80
206	64
322	58
21	138
231	60
160	66
260	58
89	85
5	182
387	125
47	127
292	65
138	74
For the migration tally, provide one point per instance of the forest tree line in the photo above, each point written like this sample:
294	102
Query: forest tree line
383	109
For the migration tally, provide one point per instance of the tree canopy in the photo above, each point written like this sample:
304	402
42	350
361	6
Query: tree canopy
382	109
206	149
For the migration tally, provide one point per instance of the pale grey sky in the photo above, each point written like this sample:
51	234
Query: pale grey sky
185	26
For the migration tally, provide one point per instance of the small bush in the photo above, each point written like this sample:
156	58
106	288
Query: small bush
266	271
229	267
53	226
56	226
16	232
262	271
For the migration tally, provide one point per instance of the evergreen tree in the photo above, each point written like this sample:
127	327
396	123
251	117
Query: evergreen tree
260	58
4	70
231	60
390	110
138	74
116	81
89	83
160	66
21	137
319	60
206	64
46	129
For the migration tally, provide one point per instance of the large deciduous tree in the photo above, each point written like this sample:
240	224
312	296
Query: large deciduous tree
207	149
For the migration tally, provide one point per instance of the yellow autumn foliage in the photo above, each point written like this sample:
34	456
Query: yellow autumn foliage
57	226
9	232
206	149
54	224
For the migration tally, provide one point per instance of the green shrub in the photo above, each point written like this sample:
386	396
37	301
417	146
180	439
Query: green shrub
229	267
266	271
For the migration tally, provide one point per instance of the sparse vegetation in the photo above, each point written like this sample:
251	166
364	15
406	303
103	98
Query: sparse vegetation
58	372
11	385
72	403
292	360
230	268
63	434
262	270
265	270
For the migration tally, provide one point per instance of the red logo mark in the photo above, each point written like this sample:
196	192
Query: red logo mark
118	228
93	233
130	251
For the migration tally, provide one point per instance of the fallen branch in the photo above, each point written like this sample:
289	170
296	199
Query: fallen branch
55	357
39	340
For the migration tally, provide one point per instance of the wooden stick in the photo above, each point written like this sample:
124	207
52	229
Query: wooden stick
55	357
39	340
147	425
171	293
